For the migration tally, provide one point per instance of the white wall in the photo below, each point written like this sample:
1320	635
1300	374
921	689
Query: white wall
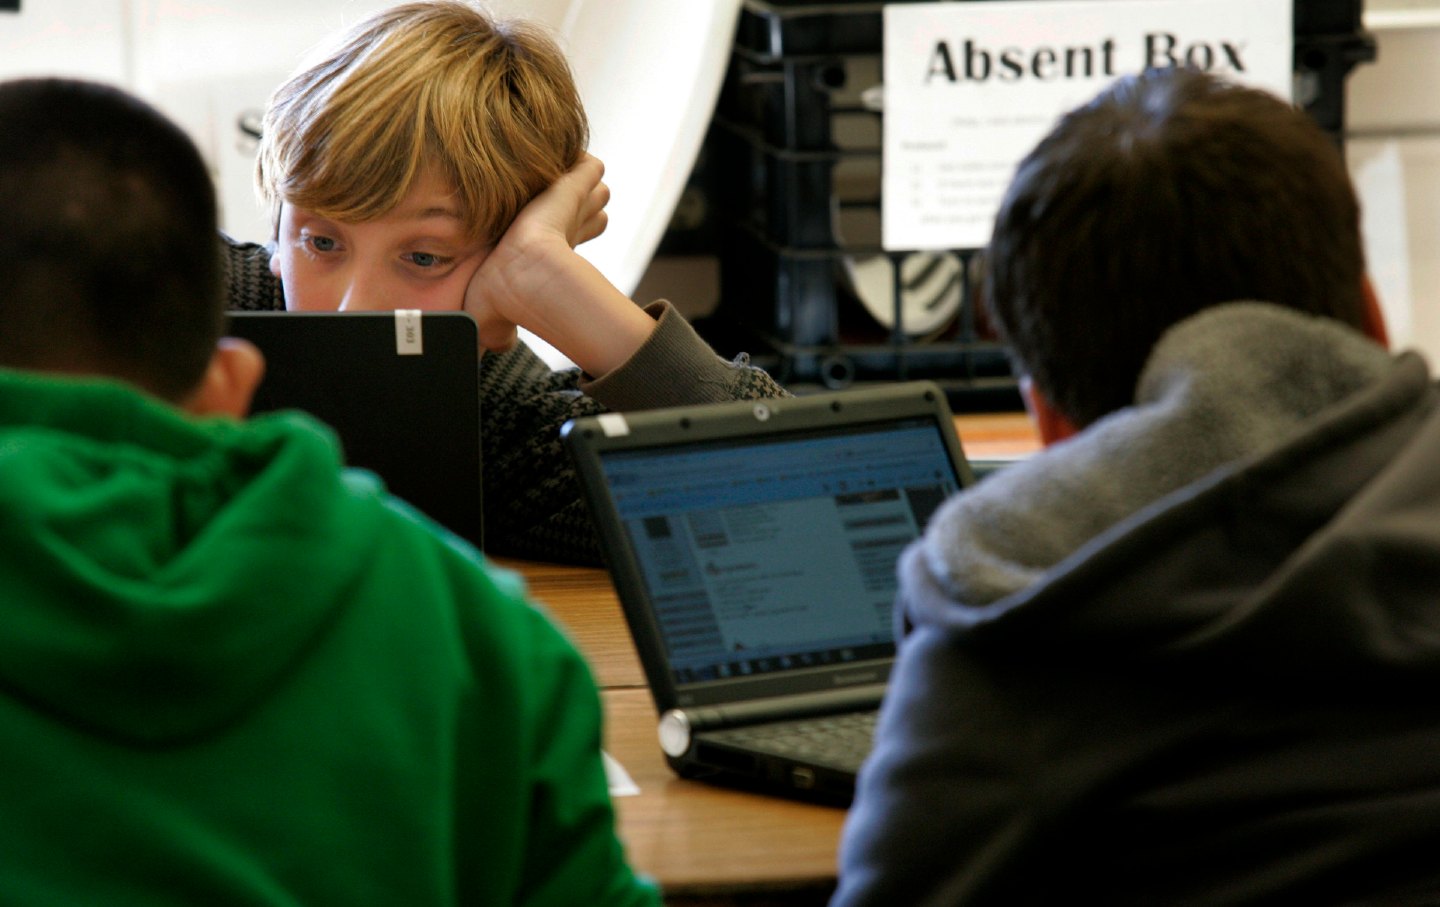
1393	148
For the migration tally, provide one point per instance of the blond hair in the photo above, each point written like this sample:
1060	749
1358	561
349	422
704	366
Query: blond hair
439	83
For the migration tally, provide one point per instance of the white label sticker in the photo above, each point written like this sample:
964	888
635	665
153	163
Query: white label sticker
409	340
614	425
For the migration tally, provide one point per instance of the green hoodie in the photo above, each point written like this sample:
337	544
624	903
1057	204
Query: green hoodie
233	673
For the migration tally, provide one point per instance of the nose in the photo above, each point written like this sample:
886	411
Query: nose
362	294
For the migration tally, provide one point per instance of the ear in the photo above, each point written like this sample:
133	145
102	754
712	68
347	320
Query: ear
1374	316
275	261
230	381
1051	424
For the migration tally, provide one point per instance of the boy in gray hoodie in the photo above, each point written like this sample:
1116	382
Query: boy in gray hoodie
1183	655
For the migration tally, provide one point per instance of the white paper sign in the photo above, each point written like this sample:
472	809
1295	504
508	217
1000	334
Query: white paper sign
971	87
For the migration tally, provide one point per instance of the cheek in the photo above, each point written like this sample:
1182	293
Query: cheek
297	300
306	289
447	294
285	263
441	295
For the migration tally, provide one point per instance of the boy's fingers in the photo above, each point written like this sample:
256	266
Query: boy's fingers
596	201
593	227
591	162
592	218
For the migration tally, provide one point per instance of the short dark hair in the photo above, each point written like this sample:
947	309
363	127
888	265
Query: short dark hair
1170	192
109	251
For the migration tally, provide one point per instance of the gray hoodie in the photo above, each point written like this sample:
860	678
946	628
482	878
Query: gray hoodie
1187	656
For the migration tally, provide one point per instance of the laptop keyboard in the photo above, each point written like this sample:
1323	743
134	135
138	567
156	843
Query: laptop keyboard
842	740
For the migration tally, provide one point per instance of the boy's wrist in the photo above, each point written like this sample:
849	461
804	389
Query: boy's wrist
552	291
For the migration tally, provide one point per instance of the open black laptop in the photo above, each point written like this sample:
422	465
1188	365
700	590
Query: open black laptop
400	389
753	546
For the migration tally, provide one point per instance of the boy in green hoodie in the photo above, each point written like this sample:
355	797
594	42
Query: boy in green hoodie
232	671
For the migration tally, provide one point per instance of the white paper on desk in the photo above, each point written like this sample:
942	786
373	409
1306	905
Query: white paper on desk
971	87
621	784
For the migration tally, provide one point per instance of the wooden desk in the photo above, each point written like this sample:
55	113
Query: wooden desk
996	436
709	845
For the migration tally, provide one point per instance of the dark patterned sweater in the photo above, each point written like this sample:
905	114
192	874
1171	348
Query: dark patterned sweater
532	501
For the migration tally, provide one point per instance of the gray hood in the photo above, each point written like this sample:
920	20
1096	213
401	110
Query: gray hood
1254	428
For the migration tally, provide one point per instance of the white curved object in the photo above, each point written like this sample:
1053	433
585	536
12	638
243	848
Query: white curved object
931	290
649	73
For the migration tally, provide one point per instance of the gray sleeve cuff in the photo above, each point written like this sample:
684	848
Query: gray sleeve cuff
674	367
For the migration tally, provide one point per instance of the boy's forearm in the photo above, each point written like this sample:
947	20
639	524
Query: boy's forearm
572	306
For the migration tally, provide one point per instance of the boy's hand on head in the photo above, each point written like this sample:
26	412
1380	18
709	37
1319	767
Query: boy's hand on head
530	254
533	278
592	219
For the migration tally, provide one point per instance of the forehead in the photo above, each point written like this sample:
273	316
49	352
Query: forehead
430	196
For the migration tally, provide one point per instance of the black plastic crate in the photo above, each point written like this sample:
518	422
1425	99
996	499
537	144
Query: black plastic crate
783	182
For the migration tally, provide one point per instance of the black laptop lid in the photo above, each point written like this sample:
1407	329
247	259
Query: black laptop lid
400	389
754	544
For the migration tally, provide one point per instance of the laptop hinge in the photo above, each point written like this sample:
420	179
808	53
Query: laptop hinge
677	726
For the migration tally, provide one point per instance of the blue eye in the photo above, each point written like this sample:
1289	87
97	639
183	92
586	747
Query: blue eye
322	244
424	259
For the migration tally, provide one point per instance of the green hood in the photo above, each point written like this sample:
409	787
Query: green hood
161	574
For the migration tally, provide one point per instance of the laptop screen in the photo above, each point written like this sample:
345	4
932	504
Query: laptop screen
776	553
